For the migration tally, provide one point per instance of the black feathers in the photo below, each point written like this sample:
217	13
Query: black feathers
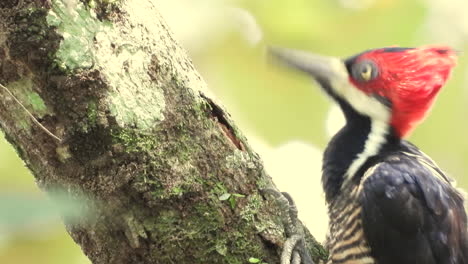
411	213
396	49
336	159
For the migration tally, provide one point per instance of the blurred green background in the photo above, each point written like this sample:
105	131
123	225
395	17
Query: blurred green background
286	118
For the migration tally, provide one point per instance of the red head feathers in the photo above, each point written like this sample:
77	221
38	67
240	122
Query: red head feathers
410	79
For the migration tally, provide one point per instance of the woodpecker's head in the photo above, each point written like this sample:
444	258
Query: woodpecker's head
393	85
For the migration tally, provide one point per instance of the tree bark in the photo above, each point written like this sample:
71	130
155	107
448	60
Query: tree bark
123	121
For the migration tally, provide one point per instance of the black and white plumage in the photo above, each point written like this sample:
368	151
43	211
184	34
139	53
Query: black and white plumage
388	202
401	208
423	215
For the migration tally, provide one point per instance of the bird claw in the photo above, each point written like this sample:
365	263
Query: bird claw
294	250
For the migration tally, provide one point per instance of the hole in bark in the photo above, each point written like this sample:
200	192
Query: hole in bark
220	116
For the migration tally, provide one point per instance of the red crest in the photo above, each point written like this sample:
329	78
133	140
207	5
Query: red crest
410	79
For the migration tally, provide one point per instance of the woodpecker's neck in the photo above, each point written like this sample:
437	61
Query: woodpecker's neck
350	150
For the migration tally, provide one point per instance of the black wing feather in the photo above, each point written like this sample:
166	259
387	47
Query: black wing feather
411	216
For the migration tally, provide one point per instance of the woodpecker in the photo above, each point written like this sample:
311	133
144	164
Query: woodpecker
388	202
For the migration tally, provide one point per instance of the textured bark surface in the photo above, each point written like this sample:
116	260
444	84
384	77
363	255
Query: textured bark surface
139	138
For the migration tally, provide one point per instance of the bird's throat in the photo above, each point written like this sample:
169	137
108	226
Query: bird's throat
349	151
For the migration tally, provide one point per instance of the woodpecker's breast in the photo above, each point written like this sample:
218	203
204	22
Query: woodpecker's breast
346	241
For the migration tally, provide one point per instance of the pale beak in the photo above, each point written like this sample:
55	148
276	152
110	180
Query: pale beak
326	70
333	76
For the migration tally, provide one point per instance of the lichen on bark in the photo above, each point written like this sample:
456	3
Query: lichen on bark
141	138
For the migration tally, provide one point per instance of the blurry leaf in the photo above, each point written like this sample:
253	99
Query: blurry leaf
232	202
224	196
254	260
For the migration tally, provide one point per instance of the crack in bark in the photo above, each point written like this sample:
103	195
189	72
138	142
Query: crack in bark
220	116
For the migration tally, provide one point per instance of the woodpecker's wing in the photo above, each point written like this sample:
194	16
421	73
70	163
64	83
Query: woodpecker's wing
412	214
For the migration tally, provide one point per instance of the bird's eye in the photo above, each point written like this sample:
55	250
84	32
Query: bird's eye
364	71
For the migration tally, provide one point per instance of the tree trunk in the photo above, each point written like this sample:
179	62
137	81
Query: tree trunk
122	120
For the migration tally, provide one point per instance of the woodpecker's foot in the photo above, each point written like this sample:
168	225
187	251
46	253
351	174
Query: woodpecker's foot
294	250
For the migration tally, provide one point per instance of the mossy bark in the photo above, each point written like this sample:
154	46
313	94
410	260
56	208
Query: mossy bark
140	140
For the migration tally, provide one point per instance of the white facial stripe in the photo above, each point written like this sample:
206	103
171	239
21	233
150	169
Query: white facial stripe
360	101
379	115
368	106
374	142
